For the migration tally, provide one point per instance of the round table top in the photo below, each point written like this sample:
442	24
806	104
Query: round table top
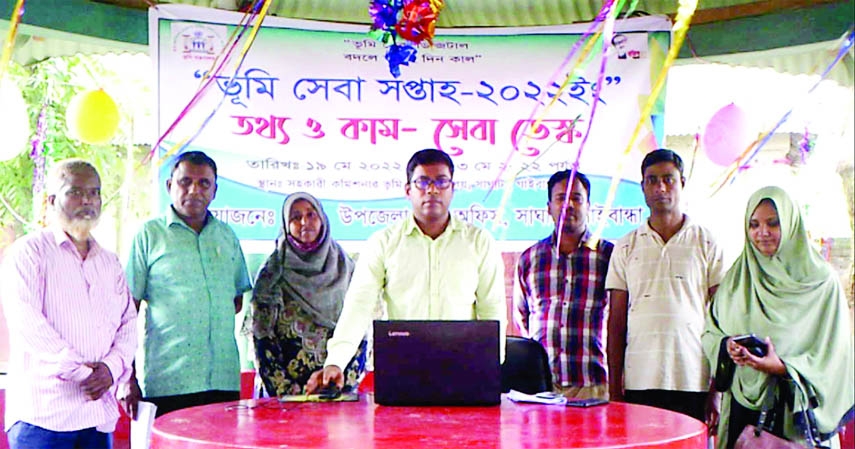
267	423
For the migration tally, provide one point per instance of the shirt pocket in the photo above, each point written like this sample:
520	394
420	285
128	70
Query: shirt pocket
544	296
109	303
220	261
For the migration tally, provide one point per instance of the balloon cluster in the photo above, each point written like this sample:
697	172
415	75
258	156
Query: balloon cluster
402	25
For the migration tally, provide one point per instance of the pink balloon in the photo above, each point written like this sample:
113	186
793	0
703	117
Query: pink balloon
727	135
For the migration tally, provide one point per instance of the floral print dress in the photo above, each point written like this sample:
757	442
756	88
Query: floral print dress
299	349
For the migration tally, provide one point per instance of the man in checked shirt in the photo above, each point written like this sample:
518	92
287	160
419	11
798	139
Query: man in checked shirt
560	296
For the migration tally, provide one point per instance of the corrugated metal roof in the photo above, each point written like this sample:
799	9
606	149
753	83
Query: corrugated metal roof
808	59
466	13
756	33
697	91
35	44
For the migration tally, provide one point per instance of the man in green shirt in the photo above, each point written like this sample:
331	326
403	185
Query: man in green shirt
429	266
189	269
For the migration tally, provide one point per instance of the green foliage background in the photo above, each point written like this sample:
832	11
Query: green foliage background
51	84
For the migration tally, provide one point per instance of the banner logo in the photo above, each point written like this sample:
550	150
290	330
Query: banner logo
197	42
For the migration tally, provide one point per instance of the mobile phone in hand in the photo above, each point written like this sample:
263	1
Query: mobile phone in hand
752	343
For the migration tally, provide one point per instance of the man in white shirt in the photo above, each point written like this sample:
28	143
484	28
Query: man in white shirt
429	266
661	277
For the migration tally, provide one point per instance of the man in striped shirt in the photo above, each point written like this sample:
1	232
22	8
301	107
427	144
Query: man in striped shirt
560	295
72	323
661	278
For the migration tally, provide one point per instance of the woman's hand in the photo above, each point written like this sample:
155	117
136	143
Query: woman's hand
770	363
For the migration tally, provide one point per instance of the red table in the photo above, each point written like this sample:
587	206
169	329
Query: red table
362	425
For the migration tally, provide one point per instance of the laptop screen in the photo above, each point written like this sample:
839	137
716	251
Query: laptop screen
436	363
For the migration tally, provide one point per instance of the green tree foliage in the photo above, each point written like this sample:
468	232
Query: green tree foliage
50	85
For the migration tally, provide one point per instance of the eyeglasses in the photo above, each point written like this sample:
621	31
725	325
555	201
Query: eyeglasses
425	183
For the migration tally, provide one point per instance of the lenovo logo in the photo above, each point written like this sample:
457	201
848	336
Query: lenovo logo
398	333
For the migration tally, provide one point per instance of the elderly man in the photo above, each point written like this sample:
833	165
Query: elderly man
72	323
189	269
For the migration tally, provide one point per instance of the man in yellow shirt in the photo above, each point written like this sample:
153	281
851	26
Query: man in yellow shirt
429	266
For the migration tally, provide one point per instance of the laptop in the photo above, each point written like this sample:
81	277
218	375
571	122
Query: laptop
436	363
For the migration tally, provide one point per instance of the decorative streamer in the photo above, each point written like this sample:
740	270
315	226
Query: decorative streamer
206	81
734	167
608	30
38	156
561	67
14	21
250	40
579	66
695	145
506	194
685	11
591	37
845	46
805	147
743	162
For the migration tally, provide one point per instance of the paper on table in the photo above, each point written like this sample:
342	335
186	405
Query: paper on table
141	427
344	397
546	397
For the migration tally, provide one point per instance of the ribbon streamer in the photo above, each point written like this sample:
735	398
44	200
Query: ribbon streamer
608	30
844	48
685	11
567	59
9	47
37	154
210	78
743	162
590	37
205	82
242	57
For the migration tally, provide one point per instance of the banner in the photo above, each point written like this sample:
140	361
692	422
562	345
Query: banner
314	108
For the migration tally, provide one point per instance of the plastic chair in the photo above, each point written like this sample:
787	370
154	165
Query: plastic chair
526	366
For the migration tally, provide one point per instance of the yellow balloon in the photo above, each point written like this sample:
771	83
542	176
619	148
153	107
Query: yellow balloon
92	117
